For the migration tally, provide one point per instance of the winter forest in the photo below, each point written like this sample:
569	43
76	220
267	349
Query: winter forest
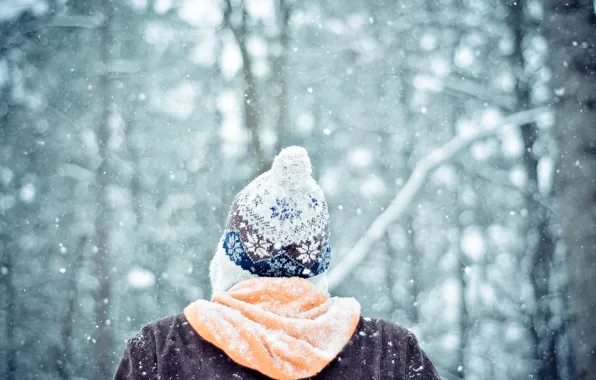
455	141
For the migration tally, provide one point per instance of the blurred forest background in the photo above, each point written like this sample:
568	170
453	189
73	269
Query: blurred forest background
455	141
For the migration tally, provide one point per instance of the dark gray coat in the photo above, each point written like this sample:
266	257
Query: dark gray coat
170	349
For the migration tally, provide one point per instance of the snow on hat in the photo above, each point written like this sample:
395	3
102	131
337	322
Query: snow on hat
278	226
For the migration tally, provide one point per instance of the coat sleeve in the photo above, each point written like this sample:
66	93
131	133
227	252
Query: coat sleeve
139	361
418	365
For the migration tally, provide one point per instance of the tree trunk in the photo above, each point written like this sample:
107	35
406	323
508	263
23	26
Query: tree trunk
415	260
280	64
464	319
9	292
570	27
464	315
251	99
542	250
103	337
251	108
135	157
10	306
65	366
392	277
542	328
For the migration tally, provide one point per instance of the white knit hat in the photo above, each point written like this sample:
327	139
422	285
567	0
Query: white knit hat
278	226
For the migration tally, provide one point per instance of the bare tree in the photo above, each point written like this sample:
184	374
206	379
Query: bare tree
103	337
10	301
542	247
66	361
570	27
464	314
415	260
280	71
251	96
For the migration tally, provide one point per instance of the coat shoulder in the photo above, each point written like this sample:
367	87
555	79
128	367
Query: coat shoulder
387	329
166	322
414	363
172	325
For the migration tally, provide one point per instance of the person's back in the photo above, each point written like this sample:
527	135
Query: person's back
270	315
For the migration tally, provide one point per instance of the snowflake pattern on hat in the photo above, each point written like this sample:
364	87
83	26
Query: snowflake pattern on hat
285	209
279	224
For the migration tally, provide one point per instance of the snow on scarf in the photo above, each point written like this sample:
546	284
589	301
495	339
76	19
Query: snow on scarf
281	327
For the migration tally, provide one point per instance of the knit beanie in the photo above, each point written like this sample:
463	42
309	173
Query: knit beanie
278	226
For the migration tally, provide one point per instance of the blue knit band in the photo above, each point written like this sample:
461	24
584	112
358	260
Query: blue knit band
280	264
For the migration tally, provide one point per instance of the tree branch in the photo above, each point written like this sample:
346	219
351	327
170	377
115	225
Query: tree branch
410	190
469	88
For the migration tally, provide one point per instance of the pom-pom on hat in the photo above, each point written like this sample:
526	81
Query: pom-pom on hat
278	226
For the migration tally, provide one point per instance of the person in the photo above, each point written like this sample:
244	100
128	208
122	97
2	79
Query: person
271	315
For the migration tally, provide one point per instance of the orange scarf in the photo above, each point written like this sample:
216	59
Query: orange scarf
281	327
